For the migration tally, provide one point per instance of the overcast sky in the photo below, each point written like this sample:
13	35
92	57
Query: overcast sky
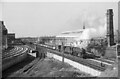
51	18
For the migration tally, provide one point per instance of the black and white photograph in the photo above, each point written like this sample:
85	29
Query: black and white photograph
55	39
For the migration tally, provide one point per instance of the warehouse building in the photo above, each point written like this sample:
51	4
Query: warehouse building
75	38
4	36
10	38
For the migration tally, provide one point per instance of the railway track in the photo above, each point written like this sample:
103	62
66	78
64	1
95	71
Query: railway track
5	53
97	64
14	57
105	60
18	66
79	60
17	51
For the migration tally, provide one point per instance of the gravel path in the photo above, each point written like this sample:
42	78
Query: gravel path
50	67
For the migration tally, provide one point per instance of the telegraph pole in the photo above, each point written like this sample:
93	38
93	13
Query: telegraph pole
62	50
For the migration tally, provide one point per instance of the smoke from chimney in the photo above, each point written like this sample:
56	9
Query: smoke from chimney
99	28
96	27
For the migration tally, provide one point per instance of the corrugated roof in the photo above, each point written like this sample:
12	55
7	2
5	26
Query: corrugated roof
75	33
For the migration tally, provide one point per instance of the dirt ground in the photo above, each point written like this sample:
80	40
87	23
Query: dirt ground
111	71
50	67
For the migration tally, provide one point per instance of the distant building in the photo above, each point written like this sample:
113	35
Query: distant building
10	38
4	35
118	36
74	34
29	39
73	38
47	39
78	38
18	41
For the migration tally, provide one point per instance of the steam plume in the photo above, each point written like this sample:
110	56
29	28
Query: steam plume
96	28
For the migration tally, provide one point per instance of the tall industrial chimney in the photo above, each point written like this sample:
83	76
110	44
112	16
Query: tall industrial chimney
110	29
84	25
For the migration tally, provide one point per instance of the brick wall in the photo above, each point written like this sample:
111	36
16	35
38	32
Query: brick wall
110	53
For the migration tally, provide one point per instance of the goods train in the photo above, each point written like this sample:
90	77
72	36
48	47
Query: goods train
92	49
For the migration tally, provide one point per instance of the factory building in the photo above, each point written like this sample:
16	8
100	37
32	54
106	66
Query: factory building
73	38
7	38
29	39
76	37
4	36
11	38
47	39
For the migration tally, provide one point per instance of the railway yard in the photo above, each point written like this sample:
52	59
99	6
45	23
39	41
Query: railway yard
70	54
54	67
